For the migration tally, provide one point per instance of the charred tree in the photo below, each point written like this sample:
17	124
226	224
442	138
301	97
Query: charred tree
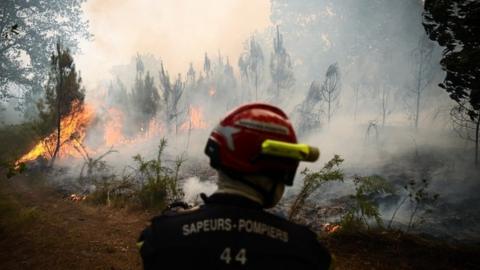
330	89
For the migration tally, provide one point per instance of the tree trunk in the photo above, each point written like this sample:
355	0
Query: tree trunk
59	112
417	109
329	106
57	146
477	129
418	92
256	86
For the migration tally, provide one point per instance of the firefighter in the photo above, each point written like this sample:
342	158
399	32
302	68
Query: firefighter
255	151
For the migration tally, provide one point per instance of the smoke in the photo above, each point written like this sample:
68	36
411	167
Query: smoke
192	188
375	44
179	32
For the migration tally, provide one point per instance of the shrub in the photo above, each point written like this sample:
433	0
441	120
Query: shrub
364	209
159	183
313	180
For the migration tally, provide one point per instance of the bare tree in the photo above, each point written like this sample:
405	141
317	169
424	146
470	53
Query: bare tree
422	74
385	103
356	90
331	89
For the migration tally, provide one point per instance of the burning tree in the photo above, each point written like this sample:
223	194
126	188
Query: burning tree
64	96
331	89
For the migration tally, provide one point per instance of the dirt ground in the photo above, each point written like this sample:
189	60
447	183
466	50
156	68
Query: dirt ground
77	235
69	235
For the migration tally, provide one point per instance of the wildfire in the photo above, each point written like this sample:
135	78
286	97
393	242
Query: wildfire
331	228
154	129
113	128
77	198
73	131
195	120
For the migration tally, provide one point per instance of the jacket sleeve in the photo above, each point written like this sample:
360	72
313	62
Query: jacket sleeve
148	250
325	259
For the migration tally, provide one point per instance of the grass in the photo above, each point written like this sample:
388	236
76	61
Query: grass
14	216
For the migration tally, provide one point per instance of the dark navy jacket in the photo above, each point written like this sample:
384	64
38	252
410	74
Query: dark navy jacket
229	232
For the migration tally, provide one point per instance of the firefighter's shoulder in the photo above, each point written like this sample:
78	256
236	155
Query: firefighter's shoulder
179	208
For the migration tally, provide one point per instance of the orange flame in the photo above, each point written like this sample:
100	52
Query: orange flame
331	228
73	131
113	128
195	120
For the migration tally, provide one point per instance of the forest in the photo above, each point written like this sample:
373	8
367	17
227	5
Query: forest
389	91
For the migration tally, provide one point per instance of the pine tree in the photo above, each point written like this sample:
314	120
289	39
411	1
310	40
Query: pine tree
280	66
331	89
64	92
145	97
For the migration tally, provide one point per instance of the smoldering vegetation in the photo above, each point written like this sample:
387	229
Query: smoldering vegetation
358	80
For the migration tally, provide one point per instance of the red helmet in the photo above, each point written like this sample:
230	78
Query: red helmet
234	146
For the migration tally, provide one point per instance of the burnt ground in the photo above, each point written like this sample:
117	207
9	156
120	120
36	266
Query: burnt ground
63	234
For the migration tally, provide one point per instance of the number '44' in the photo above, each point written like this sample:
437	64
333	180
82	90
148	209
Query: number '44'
240	257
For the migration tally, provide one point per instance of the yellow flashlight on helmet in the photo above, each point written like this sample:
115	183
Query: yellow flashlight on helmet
298	151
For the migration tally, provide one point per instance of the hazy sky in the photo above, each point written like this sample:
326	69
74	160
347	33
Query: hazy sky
177	31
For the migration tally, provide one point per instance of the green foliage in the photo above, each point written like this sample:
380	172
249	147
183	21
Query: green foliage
364	209
313	180
63	95
421	201
156	188
159	183
454	25
115	193
38	25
